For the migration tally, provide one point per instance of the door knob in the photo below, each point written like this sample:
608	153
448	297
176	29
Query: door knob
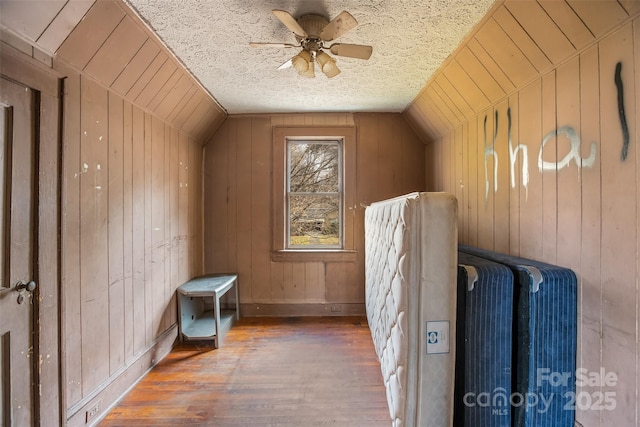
26	286
23	287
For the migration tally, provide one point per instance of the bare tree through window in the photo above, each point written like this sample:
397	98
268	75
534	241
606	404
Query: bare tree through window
314	193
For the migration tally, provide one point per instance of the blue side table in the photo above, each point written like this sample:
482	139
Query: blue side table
203	313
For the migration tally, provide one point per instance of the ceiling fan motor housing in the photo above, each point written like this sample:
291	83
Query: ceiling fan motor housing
313	25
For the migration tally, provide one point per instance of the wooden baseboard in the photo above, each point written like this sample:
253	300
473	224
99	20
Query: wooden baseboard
294	310
105	396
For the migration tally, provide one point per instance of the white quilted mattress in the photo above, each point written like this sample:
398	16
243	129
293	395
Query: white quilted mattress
410	271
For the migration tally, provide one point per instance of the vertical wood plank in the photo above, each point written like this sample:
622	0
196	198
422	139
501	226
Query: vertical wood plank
196	195
636	54
619	233
277	281
487	171
463	235
590	303
458	188
174	219
49	259
314	282
260	202
570	177
413	161
549	153
128	232
157	224
166	228
388	156
530	136
515	161
115	169
148	230
232	197
335	277
501	212
70	257
472	183
294	285
215	197
183	211
244	209
138	189
94	273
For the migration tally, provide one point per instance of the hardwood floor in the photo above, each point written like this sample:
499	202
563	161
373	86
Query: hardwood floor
269	372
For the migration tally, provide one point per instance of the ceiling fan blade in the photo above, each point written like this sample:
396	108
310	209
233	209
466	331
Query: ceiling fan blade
351	50
259	44
290	22
338	26
287	64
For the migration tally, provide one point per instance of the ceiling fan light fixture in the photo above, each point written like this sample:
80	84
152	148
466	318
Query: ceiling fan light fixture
302	61
327	64
310	73
311	32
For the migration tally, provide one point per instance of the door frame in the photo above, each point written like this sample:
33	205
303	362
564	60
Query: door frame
23	69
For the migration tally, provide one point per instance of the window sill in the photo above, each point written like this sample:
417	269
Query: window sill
340	255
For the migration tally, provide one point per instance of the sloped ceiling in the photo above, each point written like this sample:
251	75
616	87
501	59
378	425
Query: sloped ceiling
410	41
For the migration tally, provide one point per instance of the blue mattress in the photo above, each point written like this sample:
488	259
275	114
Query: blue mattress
545	340
484	343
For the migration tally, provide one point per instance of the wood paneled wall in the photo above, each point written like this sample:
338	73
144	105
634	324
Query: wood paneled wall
131	233
515	43
237	194
114	47
134	122
547	168
108	41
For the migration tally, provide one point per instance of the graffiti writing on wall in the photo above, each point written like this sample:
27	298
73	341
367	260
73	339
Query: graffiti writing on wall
489	150
573	155
621	113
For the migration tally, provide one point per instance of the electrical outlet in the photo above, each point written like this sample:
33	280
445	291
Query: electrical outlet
93	411
336	308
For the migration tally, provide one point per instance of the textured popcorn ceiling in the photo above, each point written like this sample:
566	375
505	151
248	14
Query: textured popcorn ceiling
410	40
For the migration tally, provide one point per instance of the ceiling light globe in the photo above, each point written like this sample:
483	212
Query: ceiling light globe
301	61
327	64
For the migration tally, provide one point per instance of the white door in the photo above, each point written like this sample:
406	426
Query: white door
18	131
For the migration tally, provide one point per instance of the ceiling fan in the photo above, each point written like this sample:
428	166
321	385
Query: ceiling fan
312	32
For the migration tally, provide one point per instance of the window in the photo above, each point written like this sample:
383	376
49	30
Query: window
314	194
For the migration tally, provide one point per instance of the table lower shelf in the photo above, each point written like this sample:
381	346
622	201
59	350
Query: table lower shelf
204	326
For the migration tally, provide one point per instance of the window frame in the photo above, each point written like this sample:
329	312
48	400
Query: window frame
281	251
339	142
